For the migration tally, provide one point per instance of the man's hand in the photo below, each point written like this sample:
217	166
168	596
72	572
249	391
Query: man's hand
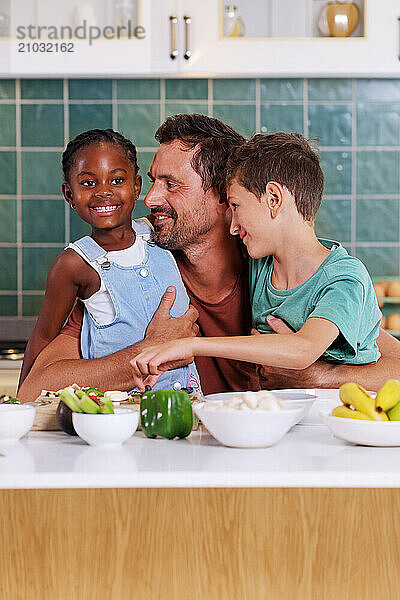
163	327
317	375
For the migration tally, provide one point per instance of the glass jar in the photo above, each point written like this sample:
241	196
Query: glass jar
233	24
125	11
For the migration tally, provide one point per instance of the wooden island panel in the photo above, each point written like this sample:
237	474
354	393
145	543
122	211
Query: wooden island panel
178	544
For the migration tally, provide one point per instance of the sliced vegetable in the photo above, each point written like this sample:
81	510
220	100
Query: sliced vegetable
106	406
94	391
78	400
88	406
166	413
70	399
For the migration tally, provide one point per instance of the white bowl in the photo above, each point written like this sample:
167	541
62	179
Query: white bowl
15	421
291	398
106	430
247	428
364	433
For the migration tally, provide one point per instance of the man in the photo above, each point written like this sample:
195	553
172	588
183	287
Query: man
188	203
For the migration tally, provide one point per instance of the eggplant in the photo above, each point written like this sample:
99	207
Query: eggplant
64	418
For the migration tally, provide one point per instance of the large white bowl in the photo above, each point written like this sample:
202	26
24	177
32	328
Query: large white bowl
106	430
364	433
247	428
290	398
15	421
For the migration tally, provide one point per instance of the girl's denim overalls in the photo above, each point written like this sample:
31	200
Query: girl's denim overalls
135	293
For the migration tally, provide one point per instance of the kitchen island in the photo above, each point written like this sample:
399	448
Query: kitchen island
309	518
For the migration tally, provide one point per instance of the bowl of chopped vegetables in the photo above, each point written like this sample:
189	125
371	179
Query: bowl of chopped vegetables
95	419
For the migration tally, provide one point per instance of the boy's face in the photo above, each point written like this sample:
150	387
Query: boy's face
250	219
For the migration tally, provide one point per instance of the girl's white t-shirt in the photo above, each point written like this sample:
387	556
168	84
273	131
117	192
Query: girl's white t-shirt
100	305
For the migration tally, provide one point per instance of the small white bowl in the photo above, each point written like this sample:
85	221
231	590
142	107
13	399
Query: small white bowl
247	428
15	421
106	430
364	433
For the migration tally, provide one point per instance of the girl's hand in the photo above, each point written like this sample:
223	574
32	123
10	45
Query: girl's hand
152	362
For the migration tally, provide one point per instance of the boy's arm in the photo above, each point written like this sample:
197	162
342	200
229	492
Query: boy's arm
59	298
295	351
322	374
60	363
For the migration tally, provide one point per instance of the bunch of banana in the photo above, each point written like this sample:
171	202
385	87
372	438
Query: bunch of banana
358	404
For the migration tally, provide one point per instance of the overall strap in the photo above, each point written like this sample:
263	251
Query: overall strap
92	251
142	226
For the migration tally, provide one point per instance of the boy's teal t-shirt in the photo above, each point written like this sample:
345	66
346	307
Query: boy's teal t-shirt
340	291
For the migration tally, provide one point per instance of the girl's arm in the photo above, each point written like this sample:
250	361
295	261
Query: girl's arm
61	291
294	351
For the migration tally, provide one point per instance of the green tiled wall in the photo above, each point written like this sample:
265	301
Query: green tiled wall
357	122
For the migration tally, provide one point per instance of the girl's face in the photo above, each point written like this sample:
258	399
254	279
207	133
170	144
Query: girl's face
102	186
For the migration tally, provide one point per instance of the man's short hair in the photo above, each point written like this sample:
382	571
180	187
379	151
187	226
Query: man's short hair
213	140
286	158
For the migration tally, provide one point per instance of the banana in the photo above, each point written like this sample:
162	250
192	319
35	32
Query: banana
352	394
388	396
345	411
394	413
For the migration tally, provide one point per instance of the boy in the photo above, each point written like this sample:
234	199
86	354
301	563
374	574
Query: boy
275	186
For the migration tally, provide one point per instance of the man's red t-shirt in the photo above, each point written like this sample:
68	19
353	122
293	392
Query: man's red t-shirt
230	317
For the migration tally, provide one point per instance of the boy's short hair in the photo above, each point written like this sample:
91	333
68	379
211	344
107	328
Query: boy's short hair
286	158
213	140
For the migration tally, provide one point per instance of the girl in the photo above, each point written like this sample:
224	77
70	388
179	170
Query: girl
118	274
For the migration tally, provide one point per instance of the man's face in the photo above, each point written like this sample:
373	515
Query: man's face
183	211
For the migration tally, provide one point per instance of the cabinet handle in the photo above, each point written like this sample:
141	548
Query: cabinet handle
398	20
188	22
174	51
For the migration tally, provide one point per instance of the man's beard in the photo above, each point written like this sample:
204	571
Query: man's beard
185	230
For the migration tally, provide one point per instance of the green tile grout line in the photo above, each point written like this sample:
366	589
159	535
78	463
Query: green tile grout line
305	108
210	91
258	105
19	197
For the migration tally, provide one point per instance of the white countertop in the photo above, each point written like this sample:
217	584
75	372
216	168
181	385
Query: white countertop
308	456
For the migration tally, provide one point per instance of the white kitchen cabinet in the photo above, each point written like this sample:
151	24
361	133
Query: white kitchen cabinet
193	44
376	53
166	31
44	38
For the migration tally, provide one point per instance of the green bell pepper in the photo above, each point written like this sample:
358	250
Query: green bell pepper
166	413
